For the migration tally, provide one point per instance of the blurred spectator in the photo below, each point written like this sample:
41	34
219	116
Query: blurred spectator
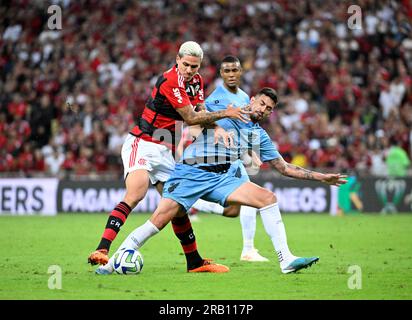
397	160
378	164
39	162
68	164
83	165
54	162
41	115
387	101
26	158
300	159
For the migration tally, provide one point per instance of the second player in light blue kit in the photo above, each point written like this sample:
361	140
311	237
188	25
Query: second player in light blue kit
215	173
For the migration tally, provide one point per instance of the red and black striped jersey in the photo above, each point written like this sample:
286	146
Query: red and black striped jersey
158	121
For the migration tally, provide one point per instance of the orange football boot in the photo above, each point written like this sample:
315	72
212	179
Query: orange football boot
210	266
100	256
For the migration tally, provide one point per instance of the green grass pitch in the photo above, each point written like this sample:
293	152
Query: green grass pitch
380	245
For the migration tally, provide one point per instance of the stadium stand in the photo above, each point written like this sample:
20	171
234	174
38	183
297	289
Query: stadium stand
346	94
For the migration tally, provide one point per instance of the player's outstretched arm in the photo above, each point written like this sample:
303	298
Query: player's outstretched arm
219	133
290	170
192	117
200	107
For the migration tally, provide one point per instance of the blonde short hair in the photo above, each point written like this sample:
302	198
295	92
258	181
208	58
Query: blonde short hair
190	48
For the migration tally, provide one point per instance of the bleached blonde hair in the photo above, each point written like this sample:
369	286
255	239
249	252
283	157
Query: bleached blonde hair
190	48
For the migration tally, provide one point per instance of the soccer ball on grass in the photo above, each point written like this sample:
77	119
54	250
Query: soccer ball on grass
128	261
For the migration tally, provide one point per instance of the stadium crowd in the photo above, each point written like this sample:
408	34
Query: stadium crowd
346	94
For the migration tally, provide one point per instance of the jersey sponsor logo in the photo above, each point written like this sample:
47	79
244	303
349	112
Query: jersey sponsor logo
177	94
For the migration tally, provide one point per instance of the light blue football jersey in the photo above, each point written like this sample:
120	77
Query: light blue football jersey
247	136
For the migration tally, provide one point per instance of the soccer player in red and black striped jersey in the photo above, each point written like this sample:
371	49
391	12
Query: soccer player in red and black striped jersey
147	153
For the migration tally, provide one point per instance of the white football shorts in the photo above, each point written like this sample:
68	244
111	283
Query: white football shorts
157	159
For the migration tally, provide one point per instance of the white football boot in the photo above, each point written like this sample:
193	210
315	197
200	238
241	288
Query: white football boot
252	256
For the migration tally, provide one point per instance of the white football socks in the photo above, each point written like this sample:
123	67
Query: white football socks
272	221
135	240
139	236
206	206
248	223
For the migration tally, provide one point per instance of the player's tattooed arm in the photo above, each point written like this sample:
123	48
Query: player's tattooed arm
290	170
219	133
192	117
200	107
293	171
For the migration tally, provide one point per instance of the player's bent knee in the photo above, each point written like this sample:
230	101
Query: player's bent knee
268	198
232	211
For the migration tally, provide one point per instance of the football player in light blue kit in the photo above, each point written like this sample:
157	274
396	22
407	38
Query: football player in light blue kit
215	173
230	93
